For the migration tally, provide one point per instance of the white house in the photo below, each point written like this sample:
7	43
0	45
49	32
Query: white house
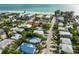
16	29
65	40
65	48
60	24
16	36
25	25
61	19
62	29
39	16
28	25
65	33
19	29
48	16
39	30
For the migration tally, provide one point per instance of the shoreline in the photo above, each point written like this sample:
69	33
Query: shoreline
27	12
40	12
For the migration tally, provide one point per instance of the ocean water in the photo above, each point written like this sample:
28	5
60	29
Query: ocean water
39	7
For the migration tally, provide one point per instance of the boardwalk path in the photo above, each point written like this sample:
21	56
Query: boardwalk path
47	51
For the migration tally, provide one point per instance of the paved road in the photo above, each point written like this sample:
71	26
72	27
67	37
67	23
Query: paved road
47	51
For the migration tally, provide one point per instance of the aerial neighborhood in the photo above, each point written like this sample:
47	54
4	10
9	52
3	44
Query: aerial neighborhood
39	33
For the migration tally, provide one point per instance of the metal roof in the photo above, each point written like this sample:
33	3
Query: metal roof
66	48
27	48
65	40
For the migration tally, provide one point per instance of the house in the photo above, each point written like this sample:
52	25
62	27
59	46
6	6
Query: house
30	22
35	40
22	25
60	24
28	48
78	28
45	18
69	26
65	34
48	16
65	40
0	51
26	15
65	48
13	29
16	29
16	36
30	15
5	42
25	25
23	15
2	34
28	25
1	31
60	19
19	29
62	29
39	16
11	18
77	21
37	23
39	30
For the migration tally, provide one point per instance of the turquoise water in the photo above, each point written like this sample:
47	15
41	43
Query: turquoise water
38	7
